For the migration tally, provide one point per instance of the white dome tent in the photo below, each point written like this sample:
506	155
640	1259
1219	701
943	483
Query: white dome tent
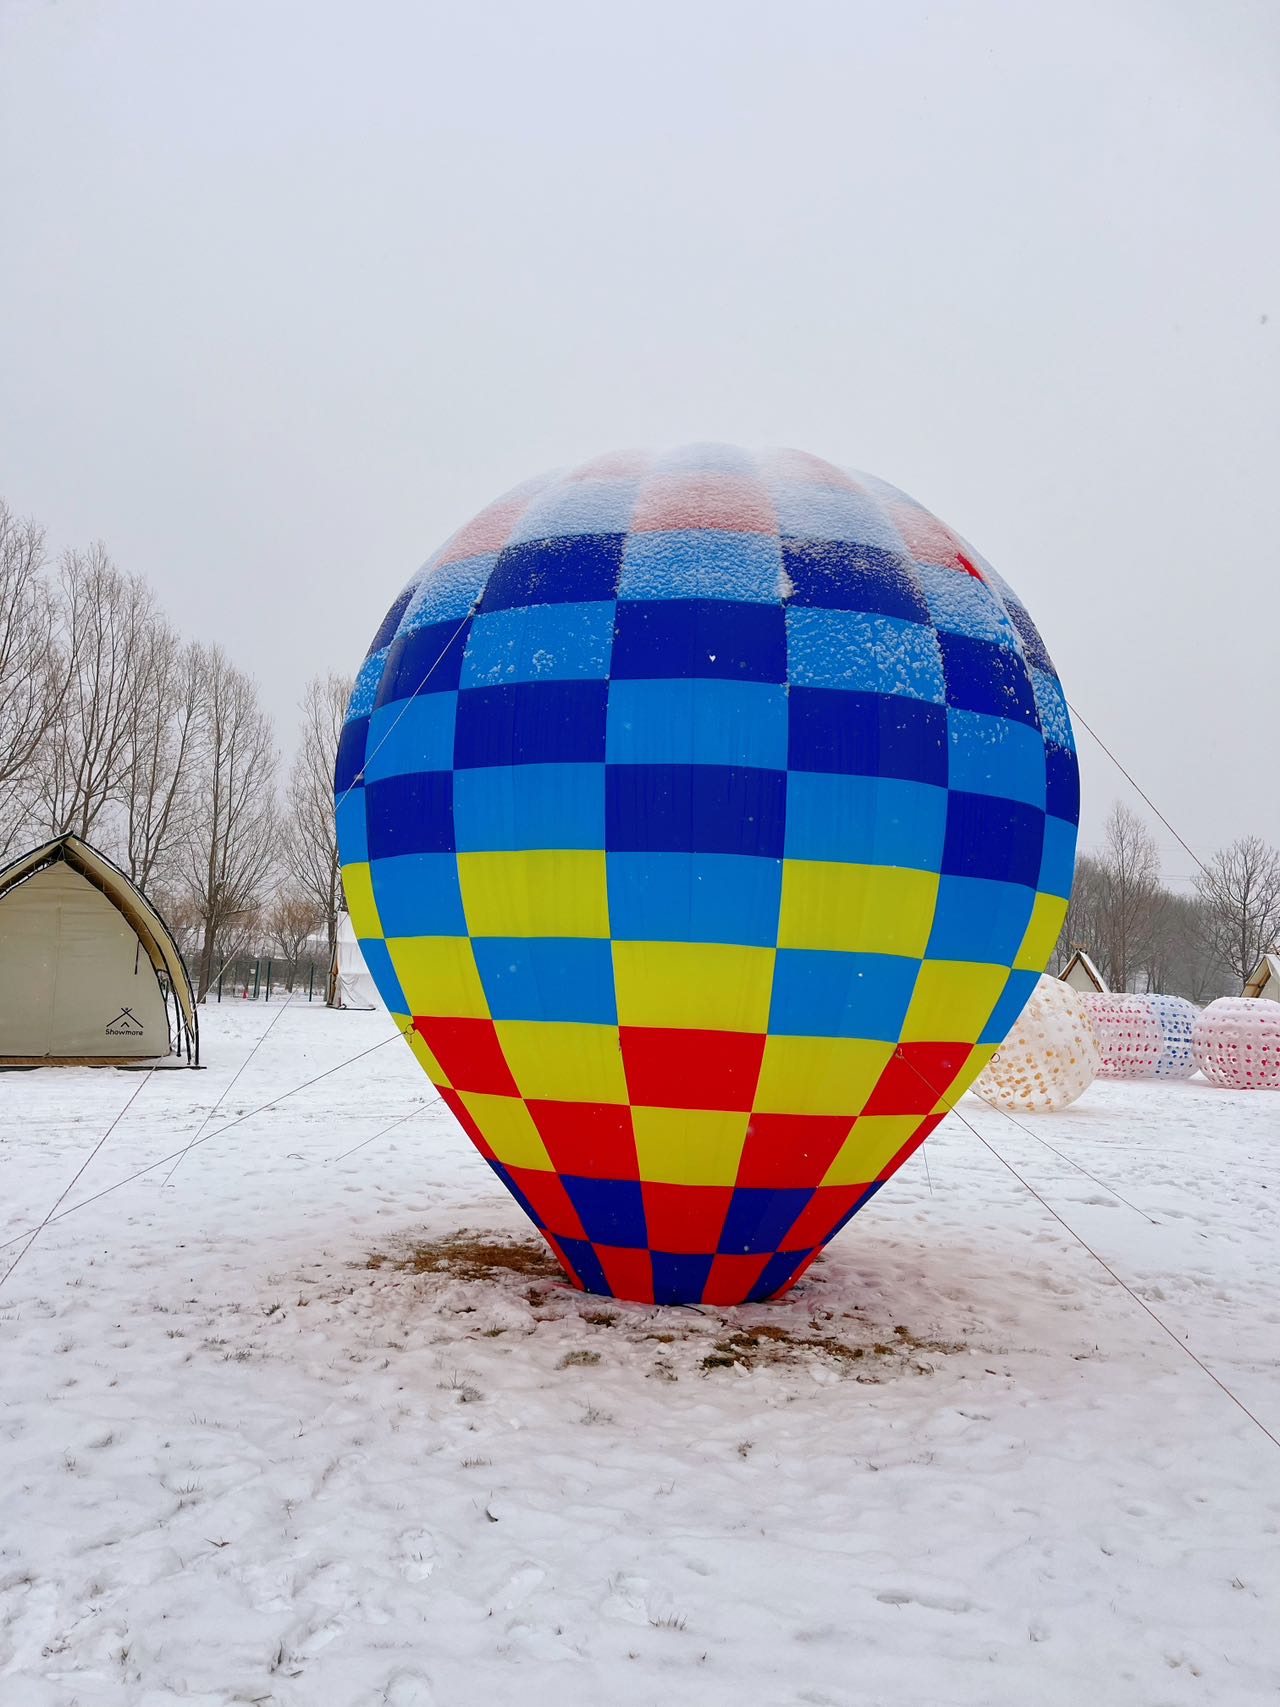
352	985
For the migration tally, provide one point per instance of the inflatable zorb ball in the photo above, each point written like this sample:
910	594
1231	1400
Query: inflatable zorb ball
1237	1043
1175	1019
1128	1034
1048	1059
707	818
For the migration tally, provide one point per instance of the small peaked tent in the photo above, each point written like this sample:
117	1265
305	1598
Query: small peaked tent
352	985
1264	980
1083	975
89	971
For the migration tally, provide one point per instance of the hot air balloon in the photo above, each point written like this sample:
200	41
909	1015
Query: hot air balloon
707	818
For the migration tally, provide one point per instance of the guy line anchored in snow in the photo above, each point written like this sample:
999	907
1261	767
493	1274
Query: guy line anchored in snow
58	1215
1072	1163
62	1195
225	1092
380	1133
1101	1261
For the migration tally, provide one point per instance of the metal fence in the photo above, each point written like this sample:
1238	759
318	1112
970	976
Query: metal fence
253	979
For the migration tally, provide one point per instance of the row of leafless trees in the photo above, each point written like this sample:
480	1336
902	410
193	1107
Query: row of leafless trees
1144	936
158	750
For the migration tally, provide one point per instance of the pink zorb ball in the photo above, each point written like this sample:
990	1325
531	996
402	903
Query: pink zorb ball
1237	1043
1128	1034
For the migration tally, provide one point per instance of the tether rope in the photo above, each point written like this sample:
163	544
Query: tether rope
398	1121
387	733
1129	778
225	1092
1070	1161
208	1137
66	1190
1100	1260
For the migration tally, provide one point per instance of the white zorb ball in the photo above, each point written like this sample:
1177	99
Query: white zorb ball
1176	1017
1048	1058
1128	1034
1237	1043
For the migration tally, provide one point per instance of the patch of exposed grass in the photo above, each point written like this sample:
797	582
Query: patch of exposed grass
474	1256
914	1343
460	1382
771	1344
670	1621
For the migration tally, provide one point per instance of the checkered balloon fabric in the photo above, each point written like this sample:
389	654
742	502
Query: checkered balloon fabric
707	817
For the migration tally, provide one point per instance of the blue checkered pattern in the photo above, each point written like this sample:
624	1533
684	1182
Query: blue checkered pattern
698	809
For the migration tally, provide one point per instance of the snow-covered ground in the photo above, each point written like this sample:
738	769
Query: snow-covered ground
247	1455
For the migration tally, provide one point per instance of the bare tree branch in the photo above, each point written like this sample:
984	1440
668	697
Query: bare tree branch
109	618
311	848
229	848
1240	889
291	921
32	676
1131	895
158	795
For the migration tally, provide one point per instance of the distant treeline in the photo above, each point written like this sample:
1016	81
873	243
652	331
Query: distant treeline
158	751
1142	936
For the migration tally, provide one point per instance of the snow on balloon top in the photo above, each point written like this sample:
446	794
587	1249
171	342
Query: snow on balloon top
717	522
708	817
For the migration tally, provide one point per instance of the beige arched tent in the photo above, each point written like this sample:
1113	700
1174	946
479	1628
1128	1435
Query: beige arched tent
1264	980
89	971
1083	975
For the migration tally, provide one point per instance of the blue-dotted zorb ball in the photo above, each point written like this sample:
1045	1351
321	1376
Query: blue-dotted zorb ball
1175	1019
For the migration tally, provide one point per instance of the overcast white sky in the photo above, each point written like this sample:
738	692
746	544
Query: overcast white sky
289	290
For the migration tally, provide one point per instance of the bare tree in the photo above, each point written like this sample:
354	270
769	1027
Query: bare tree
1082	927
1130	897
110	618
291	920
1240	890
32	683
182	915
229	847
311	848
1178	960
157	786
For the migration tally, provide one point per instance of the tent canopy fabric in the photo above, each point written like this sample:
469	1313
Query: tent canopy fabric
78	937
353	986
1083	975
1264	980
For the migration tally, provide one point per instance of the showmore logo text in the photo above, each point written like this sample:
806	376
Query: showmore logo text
125	1025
